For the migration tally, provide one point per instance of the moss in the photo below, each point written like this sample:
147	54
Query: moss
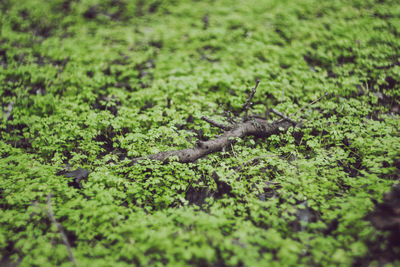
92	84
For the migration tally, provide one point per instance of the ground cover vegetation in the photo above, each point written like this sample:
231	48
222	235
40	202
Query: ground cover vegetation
88	86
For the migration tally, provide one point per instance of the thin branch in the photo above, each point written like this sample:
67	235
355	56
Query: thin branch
308	105
256	127
61	231
259	128
283	116
216	124
248	102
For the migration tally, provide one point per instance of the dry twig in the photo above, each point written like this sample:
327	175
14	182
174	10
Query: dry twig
248	102
216	124
60	230
308	105
257	127
283	116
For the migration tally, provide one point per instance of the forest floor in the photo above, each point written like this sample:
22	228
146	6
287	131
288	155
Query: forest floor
88	87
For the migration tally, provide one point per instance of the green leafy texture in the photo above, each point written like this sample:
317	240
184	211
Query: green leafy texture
94	83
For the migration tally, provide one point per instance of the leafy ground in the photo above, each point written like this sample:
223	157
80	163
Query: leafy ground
94	83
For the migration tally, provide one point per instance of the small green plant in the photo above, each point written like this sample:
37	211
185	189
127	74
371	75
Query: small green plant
95	84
